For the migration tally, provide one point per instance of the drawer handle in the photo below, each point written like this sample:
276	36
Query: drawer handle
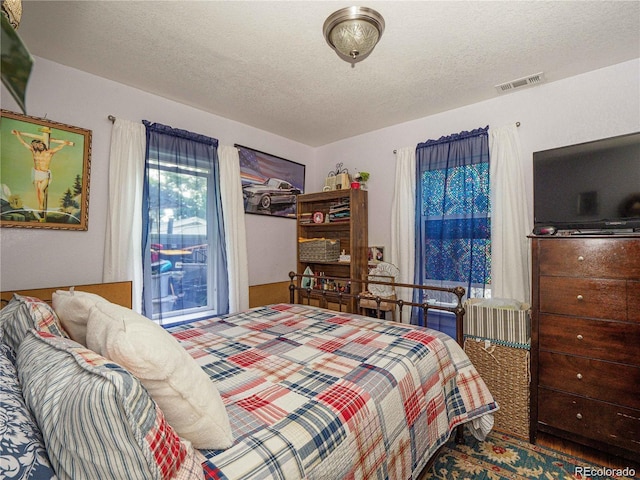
581	258
579	416
579	337
579	376
580	298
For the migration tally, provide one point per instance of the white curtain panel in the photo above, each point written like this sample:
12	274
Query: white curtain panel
123	245
403	231
234	228
510	221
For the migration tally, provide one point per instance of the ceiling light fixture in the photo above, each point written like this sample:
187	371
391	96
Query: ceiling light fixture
353	32
13	10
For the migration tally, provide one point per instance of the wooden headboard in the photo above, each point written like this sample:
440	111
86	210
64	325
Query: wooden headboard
115	292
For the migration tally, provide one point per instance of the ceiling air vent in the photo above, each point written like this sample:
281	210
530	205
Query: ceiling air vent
529	80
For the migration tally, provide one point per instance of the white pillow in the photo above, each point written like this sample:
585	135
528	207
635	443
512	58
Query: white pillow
72	308
186	395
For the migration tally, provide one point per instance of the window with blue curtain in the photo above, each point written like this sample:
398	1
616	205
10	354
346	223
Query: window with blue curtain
453	223
184	265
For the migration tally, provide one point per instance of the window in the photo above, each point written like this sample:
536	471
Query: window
185	264
453	226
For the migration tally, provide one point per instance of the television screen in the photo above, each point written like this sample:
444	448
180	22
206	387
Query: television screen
594	185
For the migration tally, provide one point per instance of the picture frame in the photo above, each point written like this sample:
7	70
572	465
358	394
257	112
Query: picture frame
270	184
44	173
376	254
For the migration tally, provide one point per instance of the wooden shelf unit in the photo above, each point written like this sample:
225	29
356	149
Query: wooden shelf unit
352	233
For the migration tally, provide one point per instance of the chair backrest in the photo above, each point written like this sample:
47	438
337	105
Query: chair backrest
199	254
381	290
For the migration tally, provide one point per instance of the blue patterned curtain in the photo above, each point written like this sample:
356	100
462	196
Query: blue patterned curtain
453	237
185	264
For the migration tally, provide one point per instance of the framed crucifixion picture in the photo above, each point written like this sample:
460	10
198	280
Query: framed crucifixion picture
44	173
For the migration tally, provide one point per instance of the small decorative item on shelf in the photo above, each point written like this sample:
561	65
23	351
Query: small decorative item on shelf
343	257
362	178
308	281
318	217
337	179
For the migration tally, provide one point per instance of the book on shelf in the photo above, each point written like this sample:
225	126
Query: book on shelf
305	217
341	208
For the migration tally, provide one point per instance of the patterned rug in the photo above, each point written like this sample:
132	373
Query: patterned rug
502	456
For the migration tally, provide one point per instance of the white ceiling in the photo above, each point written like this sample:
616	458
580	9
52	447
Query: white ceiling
266	64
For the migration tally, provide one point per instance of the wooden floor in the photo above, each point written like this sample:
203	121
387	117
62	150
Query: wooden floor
589	454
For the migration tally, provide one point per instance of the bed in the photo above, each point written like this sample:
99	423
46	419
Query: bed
292	391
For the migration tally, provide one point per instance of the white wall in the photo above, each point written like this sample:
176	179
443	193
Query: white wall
598	104
41	258
586	107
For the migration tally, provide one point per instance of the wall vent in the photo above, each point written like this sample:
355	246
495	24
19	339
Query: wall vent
527	81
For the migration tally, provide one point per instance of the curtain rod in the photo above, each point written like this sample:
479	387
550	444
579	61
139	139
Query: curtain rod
517	125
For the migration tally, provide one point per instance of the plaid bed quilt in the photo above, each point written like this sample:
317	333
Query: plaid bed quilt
317	394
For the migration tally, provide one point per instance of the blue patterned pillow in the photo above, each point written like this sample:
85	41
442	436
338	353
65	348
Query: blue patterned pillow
22	451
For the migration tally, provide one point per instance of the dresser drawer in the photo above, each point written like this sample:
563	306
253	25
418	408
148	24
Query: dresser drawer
590	257
633	301
610	382
604	340
592	419
598	298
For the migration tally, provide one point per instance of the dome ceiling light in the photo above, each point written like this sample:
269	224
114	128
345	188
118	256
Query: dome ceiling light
13	10
353	32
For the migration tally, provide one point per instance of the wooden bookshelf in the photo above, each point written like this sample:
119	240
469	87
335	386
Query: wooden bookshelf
348	224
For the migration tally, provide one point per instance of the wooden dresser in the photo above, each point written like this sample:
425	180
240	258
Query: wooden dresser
585	341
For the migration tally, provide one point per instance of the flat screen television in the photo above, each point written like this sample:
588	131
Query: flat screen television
593	186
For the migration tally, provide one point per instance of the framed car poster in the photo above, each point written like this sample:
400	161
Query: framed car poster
270	184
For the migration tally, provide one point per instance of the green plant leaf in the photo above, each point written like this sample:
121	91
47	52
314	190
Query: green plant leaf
15	63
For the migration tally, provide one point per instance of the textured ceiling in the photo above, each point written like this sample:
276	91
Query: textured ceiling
266	64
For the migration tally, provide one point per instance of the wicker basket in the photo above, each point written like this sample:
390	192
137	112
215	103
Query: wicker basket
505	370
320	250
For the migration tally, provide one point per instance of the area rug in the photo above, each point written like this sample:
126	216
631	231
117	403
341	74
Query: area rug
503	456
